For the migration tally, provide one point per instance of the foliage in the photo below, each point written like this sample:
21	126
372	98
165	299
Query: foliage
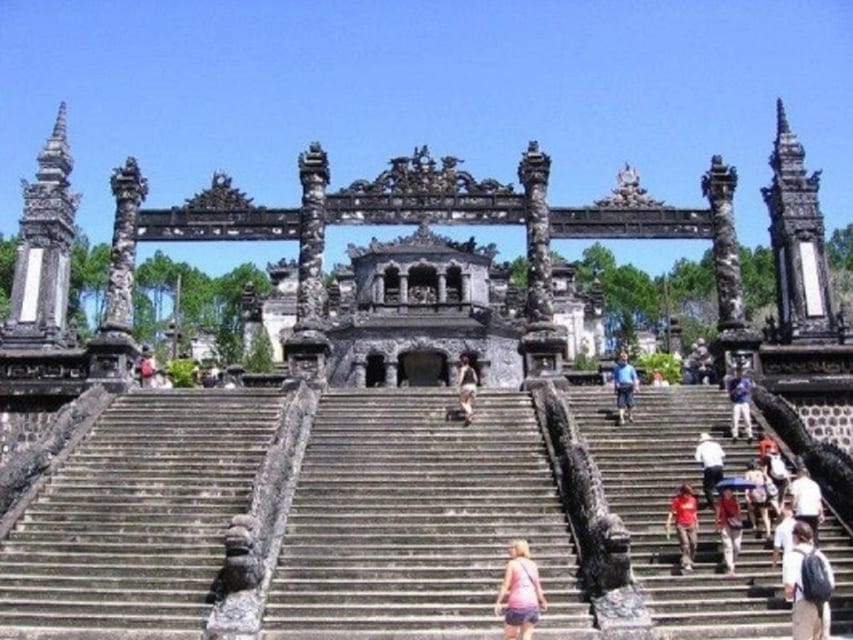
518	272
229	292
668	364
8	252
90	267
259	355
839	249
583	362
181	373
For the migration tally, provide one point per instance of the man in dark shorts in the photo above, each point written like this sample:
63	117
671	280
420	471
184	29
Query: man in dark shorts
625	382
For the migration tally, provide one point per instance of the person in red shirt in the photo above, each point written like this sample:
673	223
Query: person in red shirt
766	446
730	527
684	510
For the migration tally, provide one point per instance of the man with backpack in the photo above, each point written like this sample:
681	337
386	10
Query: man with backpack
807	576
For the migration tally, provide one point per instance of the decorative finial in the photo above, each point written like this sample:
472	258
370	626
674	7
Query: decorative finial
781	118
60	129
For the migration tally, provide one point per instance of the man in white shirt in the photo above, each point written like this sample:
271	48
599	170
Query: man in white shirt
807	501
711	455
808	623
783	538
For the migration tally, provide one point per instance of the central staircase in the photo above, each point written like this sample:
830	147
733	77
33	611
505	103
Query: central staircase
642	465
401	521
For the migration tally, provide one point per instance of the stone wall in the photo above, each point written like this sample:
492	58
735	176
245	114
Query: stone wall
828	419
19	430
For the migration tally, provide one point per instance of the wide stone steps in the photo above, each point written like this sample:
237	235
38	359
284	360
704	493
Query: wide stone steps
401	519
642	464
128	533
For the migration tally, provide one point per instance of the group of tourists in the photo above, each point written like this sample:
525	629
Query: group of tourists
766	487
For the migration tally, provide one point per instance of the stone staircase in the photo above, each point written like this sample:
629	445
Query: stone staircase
401	521
642	465
126	540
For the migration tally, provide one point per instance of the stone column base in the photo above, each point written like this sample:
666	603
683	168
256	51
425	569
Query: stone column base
306	353
112	361
544	349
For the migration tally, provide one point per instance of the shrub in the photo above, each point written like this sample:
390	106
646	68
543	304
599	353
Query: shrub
181	373
668	364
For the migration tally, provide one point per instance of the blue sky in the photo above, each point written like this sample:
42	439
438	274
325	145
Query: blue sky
189	88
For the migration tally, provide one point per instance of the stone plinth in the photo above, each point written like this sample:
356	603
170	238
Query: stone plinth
306	353
544	349
112	360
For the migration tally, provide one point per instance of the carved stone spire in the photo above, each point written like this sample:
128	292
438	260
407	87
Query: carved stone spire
781	118
797	237
55	161
42	270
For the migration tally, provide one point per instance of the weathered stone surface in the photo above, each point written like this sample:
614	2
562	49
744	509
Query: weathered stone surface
244	583
797	237
40	289
533	171
129	188
718	185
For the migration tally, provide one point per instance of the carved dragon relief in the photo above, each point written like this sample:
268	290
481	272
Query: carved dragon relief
420	174
423	237
221	196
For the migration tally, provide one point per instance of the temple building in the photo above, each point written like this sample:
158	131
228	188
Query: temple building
403	313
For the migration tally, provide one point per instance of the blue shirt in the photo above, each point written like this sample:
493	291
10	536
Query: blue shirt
740	390
624	373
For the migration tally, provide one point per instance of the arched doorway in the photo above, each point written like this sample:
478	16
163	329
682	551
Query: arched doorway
423	368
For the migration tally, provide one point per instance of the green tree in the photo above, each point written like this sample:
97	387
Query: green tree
8	253
229	292
839	249
259	355
90	267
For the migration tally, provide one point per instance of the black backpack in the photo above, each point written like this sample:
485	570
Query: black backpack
817	587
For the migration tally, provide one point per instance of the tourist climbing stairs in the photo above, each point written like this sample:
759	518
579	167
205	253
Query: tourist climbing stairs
401	521
643	464
126	539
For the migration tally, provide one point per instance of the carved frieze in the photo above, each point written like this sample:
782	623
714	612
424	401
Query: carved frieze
221	196
420	174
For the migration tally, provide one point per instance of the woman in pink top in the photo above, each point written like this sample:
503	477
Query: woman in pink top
525	596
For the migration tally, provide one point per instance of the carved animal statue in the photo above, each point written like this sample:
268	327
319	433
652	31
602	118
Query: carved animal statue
243	566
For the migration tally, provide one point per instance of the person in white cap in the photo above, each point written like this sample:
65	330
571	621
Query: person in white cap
711	455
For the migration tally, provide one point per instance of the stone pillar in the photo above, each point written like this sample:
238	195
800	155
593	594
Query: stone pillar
404	288
359	373
533	172
466	288
797	237
544	343
113	352
391	375
40	289
718	185
308	347
442	287
737	343
485	367
379	296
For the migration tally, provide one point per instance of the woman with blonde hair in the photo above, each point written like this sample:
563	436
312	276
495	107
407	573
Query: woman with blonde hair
525	598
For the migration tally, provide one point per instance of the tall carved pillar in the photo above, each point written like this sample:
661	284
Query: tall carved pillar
544	343
359	369
40	288
113	351
442	287
797	236
718	185
307	348
737	343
